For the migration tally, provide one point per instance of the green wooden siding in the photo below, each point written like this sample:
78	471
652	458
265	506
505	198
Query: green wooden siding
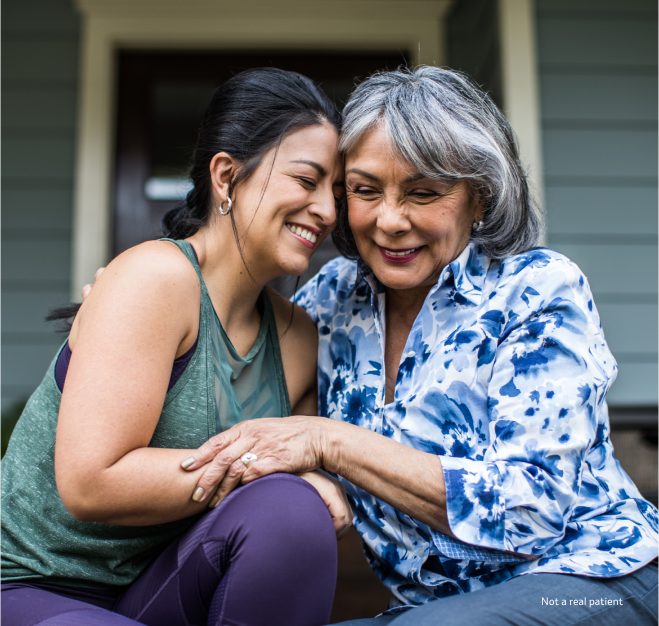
39	80
598	91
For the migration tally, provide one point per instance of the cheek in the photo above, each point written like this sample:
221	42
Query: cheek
359	218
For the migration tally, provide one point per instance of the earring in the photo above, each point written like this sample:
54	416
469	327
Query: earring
228	210
476	226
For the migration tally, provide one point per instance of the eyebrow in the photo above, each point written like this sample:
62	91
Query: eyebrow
316	166
363	173
413	178
406	181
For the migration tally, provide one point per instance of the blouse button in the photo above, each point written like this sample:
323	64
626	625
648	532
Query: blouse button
420	552
411	354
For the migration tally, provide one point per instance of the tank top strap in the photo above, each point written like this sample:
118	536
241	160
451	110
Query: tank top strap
273	337
206	308
189	252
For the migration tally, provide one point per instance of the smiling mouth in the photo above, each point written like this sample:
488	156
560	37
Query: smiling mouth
400	256
302	232
400	252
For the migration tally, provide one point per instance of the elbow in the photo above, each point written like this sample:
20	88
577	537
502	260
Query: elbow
81	499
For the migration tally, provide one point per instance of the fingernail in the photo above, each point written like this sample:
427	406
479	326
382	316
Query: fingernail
198	494
188	462
215	500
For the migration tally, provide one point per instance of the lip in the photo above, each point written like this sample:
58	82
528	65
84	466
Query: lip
302	240
311	229
399	259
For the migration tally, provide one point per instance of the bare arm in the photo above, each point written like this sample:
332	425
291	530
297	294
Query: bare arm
409	480
142	313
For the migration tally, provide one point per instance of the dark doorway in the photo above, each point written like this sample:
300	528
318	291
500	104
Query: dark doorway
161	98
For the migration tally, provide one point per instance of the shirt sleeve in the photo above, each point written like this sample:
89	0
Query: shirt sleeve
551	371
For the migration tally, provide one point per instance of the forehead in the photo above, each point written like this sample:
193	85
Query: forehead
373	152
319	141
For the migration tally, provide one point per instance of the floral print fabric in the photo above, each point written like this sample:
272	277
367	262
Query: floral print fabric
504	377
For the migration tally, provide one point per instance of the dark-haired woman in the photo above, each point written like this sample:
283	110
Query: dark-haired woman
178	341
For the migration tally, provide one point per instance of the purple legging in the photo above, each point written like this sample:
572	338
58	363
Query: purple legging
266	556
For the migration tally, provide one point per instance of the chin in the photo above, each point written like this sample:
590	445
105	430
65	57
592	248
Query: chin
399	279
295	267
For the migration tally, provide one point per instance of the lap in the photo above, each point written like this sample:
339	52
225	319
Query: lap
272	539
31	606
542	599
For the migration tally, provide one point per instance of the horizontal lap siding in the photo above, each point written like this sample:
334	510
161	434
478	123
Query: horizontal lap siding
598	89
39	71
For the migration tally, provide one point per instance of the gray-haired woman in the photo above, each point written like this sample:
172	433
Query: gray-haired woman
465	374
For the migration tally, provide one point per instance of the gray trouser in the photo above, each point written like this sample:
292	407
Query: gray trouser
541	600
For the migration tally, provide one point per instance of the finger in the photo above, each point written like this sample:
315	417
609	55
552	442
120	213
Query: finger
86	290
263	467
210	449
216	470
347	523
230	481
99	271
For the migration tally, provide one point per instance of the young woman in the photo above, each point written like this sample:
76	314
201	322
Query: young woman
180	340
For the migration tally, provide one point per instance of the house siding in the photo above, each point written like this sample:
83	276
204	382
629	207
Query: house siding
40	84
598	93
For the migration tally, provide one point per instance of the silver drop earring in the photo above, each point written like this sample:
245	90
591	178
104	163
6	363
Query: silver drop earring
476	226
230	203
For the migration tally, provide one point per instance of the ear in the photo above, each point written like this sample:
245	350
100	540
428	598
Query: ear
222	169
477	208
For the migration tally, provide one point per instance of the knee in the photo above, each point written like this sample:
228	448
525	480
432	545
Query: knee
283	507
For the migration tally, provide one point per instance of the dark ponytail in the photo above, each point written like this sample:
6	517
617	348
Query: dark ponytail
247	116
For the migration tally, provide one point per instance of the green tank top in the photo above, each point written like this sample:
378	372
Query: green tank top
42	541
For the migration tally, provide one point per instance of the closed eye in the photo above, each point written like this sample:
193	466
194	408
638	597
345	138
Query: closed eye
307	182
364	191
424	195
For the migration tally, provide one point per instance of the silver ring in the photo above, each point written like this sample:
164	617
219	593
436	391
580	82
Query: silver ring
248	458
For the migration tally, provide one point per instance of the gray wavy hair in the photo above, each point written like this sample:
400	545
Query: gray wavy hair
448	129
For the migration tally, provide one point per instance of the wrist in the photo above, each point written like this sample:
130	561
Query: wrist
328	444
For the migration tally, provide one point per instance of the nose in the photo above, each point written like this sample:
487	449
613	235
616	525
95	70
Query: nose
325	208
392	218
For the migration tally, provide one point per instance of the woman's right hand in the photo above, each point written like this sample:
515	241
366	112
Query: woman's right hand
334	496
86	290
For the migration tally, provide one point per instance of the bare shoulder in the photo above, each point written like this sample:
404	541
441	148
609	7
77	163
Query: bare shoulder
156	260
150	281
158	267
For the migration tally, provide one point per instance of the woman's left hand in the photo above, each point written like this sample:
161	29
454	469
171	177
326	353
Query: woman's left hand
289	444
334	496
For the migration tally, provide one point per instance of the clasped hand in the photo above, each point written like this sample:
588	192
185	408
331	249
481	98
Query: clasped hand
290	444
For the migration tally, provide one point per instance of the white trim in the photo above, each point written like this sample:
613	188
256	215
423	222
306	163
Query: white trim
521	98
411	25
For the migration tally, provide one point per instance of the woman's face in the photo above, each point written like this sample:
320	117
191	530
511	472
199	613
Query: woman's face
286	209
407	227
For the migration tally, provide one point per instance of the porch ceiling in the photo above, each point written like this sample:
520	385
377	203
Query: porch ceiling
275	9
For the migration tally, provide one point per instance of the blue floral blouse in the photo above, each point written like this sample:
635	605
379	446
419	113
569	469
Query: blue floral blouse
504	377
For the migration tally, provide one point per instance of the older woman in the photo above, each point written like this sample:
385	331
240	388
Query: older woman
465	374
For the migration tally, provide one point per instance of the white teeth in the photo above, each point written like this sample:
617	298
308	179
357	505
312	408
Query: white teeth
302	232
401	252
